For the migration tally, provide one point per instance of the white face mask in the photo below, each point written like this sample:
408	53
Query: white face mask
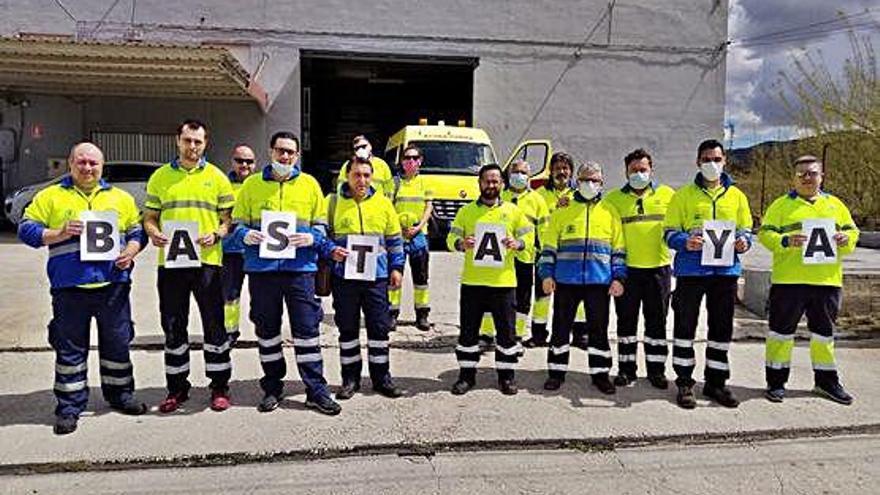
281	169
589	190
639	180
711	170
362	153
519	180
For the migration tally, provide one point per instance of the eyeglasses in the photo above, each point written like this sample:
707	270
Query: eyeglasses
243	161
283	151
360	146
411	157
812	174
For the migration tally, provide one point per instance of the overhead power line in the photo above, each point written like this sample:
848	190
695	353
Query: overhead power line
857	21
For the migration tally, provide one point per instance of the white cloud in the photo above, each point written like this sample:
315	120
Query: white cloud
753	106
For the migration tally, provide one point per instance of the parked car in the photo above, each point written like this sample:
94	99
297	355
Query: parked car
129	176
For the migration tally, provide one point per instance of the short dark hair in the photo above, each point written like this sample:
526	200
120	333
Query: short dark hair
562	157
283	135
411	147
488	168
356	160
709	144
636	155
192	124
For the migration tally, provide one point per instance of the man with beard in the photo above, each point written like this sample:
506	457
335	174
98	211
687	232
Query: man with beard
556	193
487	230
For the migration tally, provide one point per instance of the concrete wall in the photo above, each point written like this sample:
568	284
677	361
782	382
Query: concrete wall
659	84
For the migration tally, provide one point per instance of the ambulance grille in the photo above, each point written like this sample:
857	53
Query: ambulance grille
445	209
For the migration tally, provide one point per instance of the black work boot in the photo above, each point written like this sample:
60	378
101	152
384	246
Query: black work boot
394	314
422	322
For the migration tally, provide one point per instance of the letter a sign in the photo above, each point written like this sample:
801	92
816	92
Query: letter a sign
820	247
489	251
363	254
276	226
718	239
183	249
100	238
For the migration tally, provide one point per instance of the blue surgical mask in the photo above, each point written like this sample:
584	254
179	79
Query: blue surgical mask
519	180
639	180
282	169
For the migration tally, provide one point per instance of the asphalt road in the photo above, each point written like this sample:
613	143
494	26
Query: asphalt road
826	465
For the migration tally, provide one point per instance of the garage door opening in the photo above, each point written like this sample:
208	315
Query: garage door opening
344	95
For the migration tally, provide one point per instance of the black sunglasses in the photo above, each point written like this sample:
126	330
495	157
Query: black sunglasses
243	161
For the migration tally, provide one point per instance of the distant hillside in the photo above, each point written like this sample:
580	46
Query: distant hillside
852	171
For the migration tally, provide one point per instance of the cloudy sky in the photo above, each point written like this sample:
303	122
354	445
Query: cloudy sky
767	35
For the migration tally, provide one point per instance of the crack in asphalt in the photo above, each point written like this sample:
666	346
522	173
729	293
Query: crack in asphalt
430	449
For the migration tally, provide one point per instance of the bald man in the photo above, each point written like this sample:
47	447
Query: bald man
81	289
232	272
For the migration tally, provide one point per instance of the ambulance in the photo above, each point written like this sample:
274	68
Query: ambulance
452	156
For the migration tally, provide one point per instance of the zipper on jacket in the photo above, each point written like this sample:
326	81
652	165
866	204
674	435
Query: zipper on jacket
715	200
586	242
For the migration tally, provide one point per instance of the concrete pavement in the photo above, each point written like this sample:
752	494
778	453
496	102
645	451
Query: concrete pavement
840	465
428	419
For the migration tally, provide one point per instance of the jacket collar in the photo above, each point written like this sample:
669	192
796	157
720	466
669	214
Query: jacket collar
67	183
498	202
233	177
346	192
176	162
269	176
726	180
794	195
580	199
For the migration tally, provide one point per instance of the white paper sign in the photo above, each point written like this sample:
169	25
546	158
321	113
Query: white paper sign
718	239
820	247
275	227
489	251
183	248
363	255
100	240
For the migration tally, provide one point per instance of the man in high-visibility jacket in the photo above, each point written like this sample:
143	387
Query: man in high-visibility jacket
282	186
412	200
486	230
798	287
243	165
82	290
712	196
535	210
189	189
383	179
556	193
641	204
358	210
583	260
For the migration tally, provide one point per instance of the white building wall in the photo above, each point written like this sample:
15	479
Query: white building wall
658	84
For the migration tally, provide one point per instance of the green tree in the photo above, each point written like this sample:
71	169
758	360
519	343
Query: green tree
841	113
